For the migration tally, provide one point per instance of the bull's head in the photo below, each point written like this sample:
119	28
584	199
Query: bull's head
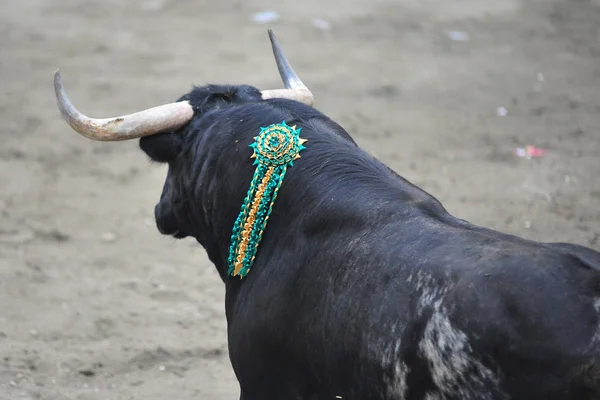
190	135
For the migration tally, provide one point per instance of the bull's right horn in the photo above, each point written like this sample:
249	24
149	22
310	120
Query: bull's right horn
295	89
143	123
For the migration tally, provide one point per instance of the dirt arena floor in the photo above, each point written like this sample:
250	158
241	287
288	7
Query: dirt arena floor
97	305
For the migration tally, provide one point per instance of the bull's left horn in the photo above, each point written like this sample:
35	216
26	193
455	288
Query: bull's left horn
295	89
143	123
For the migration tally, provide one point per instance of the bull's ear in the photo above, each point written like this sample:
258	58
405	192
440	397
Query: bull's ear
163	147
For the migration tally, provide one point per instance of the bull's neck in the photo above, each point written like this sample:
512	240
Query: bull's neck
323	185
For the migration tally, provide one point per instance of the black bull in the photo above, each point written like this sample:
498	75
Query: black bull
364	286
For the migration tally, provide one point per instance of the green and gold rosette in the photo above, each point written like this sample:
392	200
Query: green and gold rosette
275	149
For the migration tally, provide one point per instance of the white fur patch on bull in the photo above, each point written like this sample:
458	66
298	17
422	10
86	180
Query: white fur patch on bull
454	369
391	357
597	304
595	342
396	385
429	290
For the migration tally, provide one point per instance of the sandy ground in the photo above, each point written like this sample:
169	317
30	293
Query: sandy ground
96	304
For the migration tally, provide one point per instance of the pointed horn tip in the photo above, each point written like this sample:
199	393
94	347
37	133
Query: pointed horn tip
59	90
273	39
57	80
62	99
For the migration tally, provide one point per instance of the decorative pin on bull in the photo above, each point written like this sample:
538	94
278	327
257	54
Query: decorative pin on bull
275	149
362	286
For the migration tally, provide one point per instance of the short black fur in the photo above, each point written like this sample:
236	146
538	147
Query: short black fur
363	278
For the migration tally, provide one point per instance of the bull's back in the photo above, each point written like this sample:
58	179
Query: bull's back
530	315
